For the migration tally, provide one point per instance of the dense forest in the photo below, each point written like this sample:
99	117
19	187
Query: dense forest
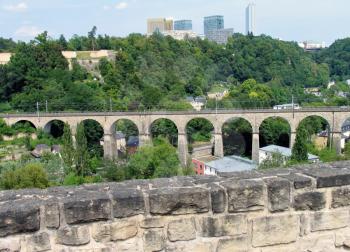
160	72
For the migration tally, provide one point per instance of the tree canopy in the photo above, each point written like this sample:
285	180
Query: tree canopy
158	72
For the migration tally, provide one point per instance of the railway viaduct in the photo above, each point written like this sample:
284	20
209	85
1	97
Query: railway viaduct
335	117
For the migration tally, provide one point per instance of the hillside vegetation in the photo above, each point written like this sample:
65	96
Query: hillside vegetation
157	72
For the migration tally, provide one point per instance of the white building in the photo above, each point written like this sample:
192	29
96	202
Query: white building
313	91
250	19
220	36
268	151
312	45
197	103
330	84
5	58
229	164
180	35
218	95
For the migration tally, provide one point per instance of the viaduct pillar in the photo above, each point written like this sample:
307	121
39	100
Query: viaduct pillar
183	148
218	144
73	129
255	147
336	138
144	139
293	136
109	146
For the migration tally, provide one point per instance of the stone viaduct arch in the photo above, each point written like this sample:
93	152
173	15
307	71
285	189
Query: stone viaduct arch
233	119
143	120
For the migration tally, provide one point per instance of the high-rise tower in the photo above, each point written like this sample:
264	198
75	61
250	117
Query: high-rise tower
213	23
250	19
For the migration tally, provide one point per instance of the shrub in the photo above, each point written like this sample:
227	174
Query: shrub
31	175
347	150
71	179
114	172
276	160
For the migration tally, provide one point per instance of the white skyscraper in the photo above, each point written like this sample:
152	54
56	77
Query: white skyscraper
250	19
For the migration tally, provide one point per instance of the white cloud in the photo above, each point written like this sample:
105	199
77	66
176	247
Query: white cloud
22	6
28	31
121	5
106	7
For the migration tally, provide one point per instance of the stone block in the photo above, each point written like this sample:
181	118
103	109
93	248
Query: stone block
127	202
293	247
274	230
298	181
182	230
73	236
245	195
329	220
52	215
218	198
101	232
313	201
278	194
179	201
134	245
318	243
19	218
39	242
123	230
10	244
154	240
87	209
326	177
229	225
193	246
236	244
155	222
340	197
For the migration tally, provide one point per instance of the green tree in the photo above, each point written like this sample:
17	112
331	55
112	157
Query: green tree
160	160
81	153
68	151
276	160
300	151
92	37
347	150
32	175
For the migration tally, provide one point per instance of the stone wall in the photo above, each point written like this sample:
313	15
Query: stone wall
301	209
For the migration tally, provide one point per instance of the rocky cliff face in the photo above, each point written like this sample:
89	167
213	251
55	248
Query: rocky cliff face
306	208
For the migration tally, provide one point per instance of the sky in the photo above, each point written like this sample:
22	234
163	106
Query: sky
293	20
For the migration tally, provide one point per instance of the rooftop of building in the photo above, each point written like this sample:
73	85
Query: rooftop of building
286	152
232	164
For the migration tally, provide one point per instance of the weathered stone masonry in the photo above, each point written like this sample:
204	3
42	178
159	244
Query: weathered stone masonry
306	208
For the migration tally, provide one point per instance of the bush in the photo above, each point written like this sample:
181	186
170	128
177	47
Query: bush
329	155
347	150
114	172
276	160
71	179
158	161
31	175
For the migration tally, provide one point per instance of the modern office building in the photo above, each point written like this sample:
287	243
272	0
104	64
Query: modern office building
183	25
159	25
213	23
181	35
250	19
219	36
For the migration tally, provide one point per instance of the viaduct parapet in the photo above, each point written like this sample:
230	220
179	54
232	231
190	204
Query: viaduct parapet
305	208
335	117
